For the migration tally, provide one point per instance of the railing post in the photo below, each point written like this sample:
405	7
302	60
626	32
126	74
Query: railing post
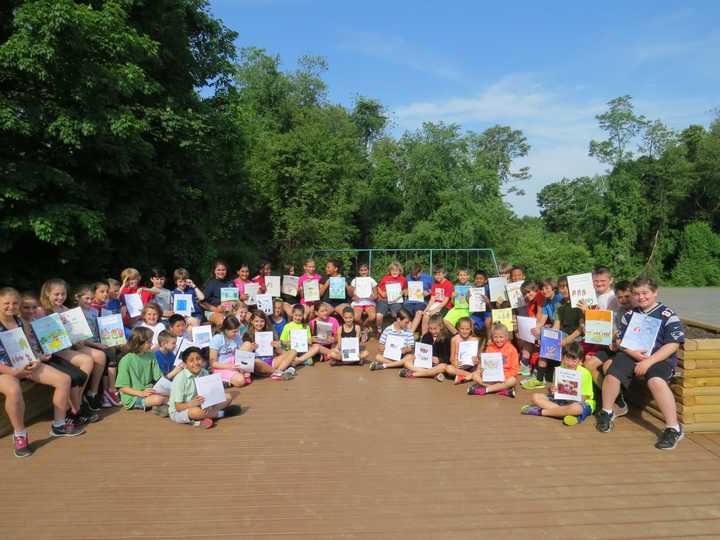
370	252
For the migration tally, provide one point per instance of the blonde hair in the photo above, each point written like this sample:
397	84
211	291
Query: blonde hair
7	291
151	306
130	273
180	273
45	293
396	265
139	337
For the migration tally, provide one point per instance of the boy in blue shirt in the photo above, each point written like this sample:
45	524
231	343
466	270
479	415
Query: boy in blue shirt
185	285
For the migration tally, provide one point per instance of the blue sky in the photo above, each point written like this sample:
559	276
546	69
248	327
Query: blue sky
546	68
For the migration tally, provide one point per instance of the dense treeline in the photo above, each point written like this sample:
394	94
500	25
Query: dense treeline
132	132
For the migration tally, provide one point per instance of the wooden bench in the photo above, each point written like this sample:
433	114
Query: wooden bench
38	402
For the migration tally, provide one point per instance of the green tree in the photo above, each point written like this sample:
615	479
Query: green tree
622	125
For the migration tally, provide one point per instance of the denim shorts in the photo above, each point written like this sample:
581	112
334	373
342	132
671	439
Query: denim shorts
139	404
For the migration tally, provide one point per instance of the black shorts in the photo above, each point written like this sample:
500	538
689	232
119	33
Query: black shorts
604	355
77	376
335	302
623	369
112	357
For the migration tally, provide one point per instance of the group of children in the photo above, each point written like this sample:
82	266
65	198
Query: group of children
162	345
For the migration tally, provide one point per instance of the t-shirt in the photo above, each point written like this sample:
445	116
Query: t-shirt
440	291
165	361
332	321
212	290
278	325
92	319
511	362
551	305
388	278
568	317
533	308
159	327
195	304
285	336
363	301
137	371
441	347
240	284
671	328
183	388
302	279
225	347
113	305
607	300
405	334
586	386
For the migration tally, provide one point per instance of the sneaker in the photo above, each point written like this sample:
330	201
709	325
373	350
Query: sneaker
524	370
531	410
622	406
106	403
604	422
476	390
289	373
277	376
507	392
82	417
22	446
571	420
440	377
69	429
162	411
374	366
669	438
93	403
309	362
533	384
232	410
407	373
459	379
114	397
205	423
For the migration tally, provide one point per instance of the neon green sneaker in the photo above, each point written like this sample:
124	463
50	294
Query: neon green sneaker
533	384
571	421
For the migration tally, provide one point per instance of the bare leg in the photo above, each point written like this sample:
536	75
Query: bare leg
665	400
14	402
61	382
553	410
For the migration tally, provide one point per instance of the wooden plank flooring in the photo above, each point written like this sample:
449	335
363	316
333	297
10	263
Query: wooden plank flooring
348	453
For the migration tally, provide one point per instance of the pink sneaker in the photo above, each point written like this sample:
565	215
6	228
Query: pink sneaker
113	397
459	379
206	423
476	390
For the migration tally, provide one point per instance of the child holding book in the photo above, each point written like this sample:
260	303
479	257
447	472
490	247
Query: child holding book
532	308
165	355
349	329
264	269
243	278
500	343
288	300
37	371
364	304
185	285
399	328
53	294
482	320
440	300
138	372
185	405
437	336
462	372
308	275
218	280
222	354
656	365
113	304
416	274
333	269
150	318
324	329
393	276
100	295
163	296
460	307
572	412
276	365
297	322
278	319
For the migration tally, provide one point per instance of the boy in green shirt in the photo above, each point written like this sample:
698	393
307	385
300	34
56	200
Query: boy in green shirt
572	412
138	372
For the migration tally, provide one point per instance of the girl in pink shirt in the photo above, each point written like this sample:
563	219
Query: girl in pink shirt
308	275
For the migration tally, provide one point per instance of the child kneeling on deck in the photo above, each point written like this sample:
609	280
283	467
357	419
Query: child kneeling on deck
185	404
572	412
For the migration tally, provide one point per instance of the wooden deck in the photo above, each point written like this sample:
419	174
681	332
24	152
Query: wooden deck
345	452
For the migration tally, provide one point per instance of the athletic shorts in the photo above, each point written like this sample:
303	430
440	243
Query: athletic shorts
455	314
605	355
586	408
414	307
181	417
383	307
138	404
77	375
111	356
623	368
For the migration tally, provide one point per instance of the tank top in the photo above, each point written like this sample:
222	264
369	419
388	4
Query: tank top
352	333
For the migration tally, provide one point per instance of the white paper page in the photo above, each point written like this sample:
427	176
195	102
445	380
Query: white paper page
134	304
163	386
363	287
324	330
415	291
466	351
350	348
290	285
211	388
264	340
525	327
394	293
245	359
515	295
76	325
393	347
582	289
272	286
265	303
17	347
423	355
311	290
202	335
183	304
251	291
476	303
492	365
180	346
497	289
299	340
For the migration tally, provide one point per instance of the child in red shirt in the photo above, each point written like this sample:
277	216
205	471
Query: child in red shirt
440	301
394	275
511	367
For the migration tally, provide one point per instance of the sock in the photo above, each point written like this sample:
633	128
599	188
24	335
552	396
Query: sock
609	411
20	434
58	423
220	414
540	373
90	394
676	427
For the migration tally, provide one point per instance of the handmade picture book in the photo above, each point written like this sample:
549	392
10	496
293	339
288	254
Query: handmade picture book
336	288
229	294
467	351
515	295
394	293
598	326
299	340
211	388
525	328
311	290
264	340
265	303
423	355
246	360
393	347
181	345
163	386
201	335
461	295
134	304
415	291
350	349
582	290
324	330
251	291
363	287
551	344
51	334
112	331
492	366
17	347
290	285
641	333
568	385
476	302
504	317
497	289
76	325
183	304
272	286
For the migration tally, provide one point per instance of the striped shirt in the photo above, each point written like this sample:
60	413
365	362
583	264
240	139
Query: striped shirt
392	331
